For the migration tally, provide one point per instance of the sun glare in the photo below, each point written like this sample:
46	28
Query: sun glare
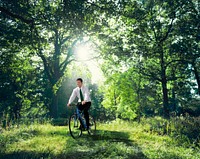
83	52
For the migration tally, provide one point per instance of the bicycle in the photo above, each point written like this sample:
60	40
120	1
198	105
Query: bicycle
75	127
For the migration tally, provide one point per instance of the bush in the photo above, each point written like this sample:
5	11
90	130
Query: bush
157	125
2	144
184	129
59	122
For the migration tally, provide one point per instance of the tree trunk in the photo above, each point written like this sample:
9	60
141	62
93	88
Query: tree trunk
173	92
56	77
54	106
164	85
165	98
55	69
173	99
138	98
197	77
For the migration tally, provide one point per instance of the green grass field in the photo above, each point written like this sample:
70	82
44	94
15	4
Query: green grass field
117	139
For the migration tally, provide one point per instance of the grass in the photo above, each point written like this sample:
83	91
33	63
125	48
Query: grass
114	140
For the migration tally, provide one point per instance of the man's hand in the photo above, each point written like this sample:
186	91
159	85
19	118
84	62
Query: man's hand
83	102
68	104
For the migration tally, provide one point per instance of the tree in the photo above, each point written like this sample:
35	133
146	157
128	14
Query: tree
187	39
55	27
147	31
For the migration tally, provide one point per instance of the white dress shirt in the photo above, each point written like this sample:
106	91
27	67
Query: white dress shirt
76	93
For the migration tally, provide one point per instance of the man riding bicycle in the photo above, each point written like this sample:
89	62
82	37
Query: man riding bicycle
84	101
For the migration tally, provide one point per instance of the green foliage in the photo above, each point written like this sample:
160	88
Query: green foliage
158	40
129	95
21	87
121	97
49	32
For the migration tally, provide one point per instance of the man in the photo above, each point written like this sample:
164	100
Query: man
84	101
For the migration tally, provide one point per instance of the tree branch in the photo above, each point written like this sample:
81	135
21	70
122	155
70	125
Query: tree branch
64	40
169	29
151	74
152	25
46	67
65	65
67	61
175	78
101	8
15	16
173	61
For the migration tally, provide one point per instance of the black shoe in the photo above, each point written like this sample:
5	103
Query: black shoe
83	129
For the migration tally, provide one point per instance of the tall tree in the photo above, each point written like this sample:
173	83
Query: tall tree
54	27
147	30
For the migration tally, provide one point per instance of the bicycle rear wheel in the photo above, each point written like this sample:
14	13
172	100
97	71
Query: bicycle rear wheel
75	127
92	127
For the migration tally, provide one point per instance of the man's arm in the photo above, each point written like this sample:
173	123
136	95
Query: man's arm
72	97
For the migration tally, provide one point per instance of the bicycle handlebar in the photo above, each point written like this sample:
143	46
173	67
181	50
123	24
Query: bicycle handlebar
73	104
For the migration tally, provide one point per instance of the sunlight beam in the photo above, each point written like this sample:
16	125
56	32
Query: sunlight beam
86	53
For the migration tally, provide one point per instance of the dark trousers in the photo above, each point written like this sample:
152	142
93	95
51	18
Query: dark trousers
85	109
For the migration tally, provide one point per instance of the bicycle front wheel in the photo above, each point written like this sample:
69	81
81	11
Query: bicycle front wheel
75	126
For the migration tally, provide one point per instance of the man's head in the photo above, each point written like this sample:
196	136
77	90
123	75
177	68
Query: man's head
79	82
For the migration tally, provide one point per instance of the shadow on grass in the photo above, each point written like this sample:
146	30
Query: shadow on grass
107	144
25	155
111	144
104	144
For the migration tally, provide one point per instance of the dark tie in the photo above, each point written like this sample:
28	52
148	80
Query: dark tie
81	95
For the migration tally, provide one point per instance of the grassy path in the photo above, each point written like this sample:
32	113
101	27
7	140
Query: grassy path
115	140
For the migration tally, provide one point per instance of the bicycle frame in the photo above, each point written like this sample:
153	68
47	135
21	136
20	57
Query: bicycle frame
79	112
74	128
